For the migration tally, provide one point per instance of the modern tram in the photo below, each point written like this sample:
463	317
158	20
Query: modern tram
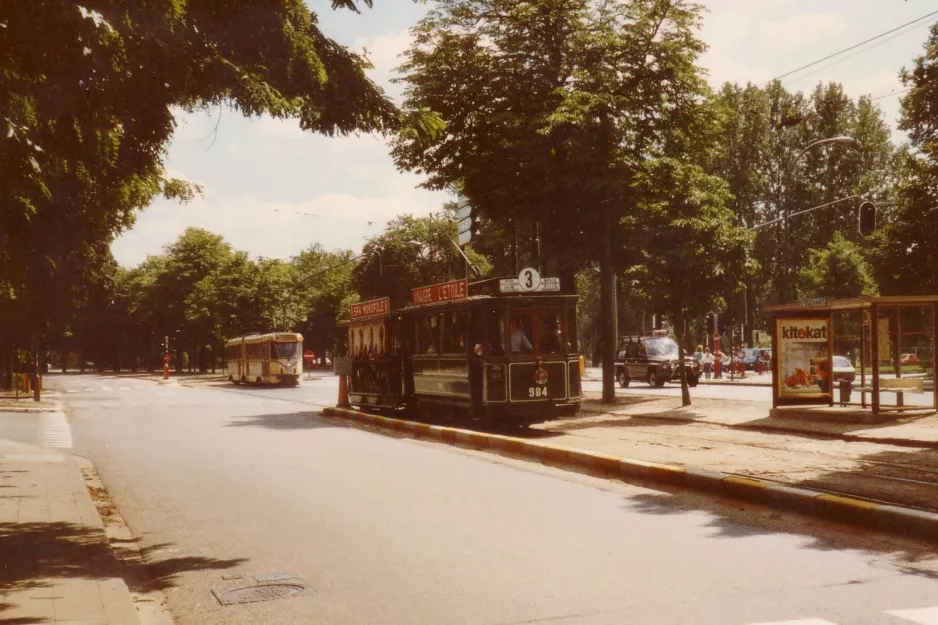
498	349
274	358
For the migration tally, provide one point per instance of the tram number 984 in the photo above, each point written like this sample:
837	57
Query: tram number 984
537	391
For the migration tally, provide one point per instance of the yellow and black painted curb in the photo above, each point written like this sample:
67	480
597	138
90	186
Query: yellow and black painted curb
883	517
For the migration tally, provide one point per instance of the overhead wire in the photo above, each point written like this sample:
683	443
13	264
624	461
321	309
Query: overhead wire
859	52
854	46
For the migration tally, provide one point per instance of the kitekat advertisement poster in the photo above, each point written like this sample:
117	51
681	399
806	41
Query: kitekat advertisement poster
804	360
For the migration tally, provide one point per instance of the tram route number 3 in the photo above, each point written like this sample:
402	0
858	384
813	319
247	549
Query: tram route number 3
537	391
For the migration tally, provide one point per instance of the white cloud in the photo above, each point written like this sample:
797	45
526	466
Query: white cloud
800	31
271	228
385	53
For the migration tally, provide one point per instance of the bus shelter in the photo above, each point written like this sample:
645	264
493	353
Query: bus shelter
875	353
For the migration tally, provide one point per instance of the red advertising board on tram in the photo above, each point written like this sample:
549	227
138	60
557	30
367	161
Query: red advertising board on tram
370	308
443	292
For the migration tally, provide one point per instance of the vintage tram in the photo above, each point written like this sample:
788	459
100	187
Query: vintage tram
496	349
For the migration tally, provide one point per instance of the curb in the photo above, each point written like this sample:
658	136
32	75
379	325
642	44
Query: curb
15	409
703	382
883	517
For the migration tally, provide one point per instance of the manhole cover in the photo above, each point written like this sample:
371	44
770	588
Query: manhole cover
263	592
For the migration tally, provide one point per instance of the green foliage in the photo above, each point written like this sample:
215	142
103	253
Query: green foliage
324	282
201	292
86	101
411	252
840	270
764	131
550	108
907	249
693	254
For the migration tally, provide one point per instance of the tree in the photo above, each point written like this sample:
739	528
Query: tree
907	249
693	252
278	295
764	131
550	110
411	252
87	97
839	270
325	283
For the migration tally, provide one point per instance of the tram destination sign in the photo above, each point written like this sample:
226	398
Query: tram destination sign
370	308
524	284
444	292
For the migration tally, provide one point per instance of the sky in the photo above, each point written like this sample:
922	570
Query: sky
273	190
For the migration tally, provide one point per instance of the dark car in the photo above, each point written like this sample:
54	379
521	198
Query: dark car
653	359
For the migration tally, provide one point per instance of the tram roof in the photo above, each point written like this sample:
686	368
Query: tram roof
269	336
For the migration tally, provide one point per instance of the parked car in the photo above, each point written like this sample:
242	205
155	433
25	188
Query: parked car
752	355
843	370
909	359
653	359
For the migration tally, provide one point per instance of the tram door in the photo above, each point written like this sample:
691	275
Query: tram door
404	340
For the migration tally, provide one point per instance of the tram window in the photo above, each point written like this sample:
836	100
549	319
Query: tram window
428	334
571	330
552	335
496	332
521	329
477	332
454	333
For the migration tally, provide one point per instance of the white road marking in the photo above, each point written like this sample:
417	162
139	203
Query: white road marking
922	616
105	388
89	389
54	430
804	621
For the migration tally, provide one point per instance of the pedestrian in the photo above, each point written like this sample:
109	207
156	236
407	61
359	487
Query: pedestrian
698	354
707	361
518	340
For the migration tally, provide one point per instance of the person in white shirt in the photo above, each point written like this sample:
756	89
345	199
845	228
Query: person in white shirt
518	340
707	362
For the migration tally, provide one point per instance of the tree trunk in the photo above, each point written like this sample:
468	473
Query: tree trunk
680	326
608	296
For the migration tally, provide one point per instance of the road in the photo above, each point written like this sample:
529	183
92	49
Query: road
224	481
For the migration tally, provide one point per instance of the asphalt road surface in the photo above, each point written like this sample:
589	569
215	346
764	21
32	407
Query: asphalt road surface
218	482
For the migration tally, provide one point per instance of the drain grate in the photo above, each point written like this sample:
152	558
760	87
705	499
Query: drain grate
262	592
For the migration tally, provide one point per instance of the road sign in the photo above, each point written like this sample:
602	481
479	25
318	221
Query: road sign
465	237
464	211
465	225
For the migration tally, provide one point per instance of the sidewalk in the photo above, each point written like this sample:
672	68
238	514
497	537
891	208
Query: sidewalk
752	378
910	431
56	565
896	464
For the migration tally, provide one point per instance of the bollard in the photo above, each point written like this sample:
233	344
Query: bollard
582	365
343	392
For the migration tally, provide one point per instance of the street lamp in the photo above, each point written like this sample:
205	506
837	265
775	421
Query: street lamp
841	140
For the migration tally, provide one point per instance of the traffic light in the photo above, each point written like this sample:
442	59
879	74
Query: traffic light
867	218
468	221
